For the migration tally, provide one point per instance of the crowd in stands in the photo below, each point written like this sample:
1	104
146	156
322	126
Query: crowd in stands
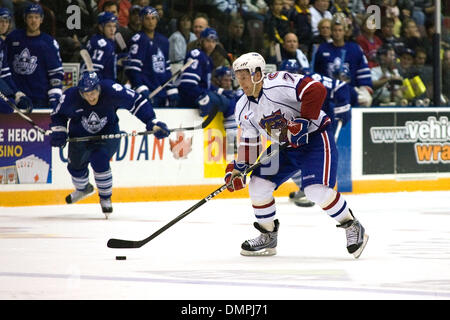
391	62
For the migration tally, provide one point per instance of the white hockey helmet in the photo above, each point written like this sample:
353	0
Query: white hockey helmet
250	61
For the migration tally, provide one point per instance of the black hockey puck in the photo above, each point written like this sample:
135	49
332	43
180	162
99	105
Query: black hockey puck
121	258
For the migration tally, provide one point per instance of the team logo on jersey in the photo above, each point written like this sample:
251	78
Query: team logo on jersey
24	63
338	68
93	123
277	123
159	63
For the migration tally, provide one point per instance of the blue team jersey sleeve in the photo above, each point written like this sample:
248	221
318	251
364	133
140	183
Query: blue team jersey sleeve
130	100
54	67
363	74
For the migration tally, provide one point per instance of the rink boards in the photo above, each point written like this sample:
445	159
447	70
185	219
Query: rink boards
383	150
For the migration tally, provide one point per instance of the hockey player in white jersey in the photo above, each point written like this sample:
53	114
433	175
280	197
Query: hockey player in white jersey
286	108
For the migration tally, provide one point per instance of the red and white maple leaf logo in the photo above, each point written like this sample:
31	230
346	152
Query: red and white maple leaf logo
181	146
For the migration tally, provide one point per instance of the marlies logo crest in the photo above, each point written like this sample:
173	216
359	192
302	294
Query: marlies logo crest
180	147
24	63
93	123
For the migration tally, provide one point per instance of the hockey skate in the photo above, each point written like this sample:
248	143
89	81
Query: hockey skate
264	245
78	195
300	199
106	206
356	237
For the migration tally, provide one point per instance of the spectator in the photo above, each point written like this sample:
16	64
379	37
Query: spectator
387	35
178	41
393	12
323	36
165	24
148	64
405	66
319	11
411	34
386	79
134	23
233	42
290	50
341	59
276	24
124	10
301	20
5	22
369	42
200	23
423	70
219	55
255	9
342	7
34	59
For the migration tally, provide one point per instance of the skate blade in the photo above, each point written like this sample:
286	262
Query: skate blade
358	252
262	252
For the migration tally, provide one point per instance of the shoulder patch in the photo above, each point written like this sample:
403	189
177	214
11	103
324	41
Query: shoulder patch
136	37
117	87
101	43
195	53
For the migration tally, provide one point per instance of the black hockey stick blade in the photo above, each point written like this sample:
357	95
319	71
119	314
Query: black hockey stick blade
129	244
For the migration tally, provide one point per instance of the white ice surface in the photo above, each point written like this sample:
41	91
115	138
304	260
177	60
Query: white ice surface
60	252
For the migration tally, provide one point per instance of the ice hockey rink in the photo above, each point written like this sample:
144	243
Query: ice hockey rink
60	252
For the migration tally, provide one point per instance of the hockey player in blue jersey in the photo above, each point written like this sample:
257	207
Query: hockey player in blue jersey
7	85
336	105
101	47
196	89
34	59
148	65
91	108
341	57
287	109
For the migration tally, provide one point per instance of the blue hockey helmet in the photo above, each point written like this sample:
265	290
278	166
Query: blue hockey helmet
222	71
290	65
89	81
33	8
105	17
209	33
5	14
148	11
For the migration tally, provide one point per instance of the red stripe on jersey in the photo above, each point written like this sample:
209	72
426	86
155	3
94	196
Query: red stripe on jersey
332	204
312	98
265	205
327	158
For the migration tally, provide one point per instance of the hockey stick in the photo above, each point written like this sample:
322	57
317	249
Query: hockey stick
120	41
203	125
338	130
173	77
129	244
24	116
87	59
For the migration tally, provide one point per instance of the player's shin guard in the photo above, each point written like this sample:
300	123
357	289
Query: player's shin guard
104	183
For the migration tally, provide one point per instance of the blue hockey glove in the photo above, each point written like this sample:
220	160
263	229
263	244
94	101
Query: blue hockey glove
23	102
297	132
204	104
160	129
173	97
158	101
53	101
58	137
